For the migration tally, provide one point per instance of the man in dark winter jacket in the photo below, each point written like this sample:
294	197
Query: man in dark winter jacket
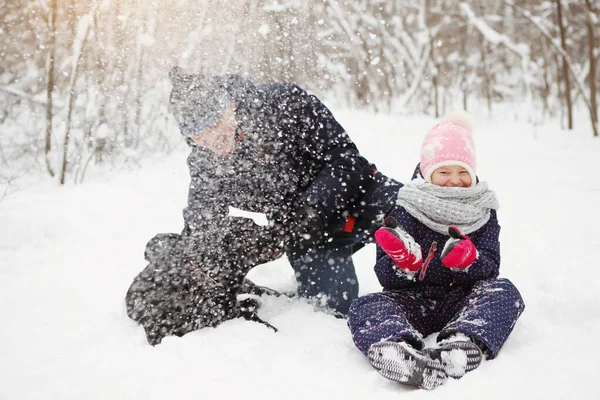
191	283
277	150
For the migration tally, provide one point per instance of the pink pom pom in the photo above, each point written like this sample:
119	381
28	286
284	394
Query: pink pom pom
460	118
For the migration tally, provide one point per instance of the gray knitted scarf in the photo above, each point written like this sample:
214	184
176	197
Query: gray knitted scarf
438	207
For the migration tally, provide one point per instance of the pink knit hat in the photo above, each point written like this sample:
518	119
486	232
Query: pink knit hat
449	143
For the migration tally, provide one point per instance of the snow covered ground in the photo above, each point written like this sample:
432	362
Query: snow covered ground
68	255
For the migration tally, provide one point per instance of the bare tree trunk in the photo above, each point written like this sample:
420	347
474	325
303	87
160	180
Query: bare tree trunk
121	88
593	66
559	92
138	92
78	44
487	79
71	16
565	68
50	89
547	90
436	95
310	60
463	69
434	79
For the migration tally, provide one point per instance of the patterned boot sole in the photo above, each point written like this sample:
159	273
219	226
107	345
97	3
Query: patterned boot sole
400	362
457	358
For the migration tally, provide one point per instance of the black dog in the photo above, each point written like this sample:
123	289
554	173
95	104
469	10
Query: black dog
192	282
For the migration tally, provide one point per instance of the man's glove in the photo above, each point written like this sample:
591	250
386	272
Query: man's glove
459	252
399	245
307	225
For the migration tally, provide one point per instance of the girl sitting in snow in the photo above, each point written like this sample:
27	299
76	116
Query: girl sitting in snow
438	260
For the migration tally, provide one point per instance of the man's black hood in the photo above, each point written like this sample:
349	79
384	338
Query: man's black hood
197	100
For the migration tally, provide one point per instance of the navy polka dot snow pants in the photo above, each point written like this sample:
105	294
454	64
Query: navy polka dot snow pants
487	312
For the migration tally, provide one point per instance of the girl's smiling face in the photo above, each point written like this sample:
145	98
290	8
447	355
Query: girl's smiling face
451	176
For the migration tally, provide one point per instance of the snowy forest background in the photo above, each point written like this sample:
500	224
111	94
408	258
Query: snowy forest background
84	83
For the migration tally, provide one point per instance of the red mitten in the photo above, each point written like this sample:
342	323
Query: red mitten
459	252
399	245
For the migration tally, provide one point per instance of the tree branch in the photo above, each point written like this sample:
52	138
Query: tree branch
556	46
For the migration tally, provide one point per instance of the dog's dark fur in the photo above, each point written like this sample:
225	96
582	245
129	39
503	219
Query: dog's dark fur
192	282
